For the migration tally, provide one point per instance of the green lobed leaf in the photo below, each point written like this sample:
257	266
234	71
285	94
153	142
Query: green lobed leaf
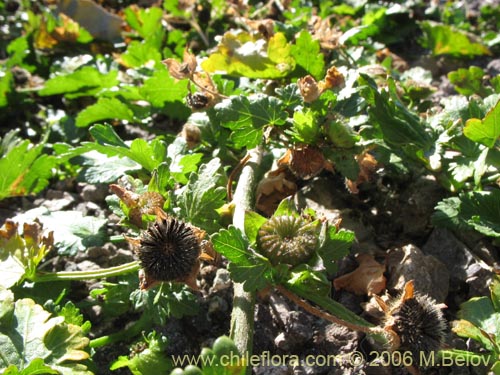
161	89
305	127
334	245
104	109
290	96
86	81
99	168
6	86
245	266
139	54
445	40
151	361
73	232
478	210
146	22
307	55
35	367
253	222
148	155
246	116
33	333
400	127
203	194
25	170
487	130
468	81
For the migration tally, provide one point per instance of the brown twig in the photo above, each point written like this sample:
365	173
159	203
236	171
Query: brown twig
233	174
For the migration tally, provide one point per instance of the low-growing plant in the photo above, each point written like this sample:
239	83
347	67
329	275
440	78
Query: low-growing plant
232	113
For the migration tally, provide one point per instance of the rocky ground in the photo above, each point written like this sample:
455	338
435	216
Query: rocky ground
391	220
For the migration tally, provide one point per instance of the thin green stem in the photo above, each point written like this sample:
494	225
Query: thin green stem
86	275
242	315
132	331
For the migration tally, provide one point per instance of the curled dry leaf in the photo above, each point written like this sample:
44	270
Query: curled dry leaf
265	27
367	167
333	78
192	134
305	162
272	189
322	31
8	229
33	234
138	204
183	70
368	278
309	88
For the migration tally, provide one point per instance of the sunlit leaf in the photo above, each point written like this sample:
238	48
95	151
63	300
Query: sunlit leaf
242	54
73	232
307	55
487	130
163	90
478	210
445	40
104	109
245	266
203	194
85	81
151	360
246	116
25	170
32	333
139	54
468	81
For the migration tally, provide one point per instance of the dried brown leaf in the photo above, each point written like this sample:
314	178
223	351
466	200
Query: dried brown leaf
368	278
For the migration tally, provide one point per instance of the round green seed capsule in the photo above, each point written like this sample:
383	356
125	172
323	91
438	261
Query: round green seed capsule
287	239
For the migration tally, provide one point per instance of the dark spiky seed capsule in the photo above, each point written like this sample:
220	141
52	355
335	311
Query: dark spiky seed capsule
287	239
420	325
168	250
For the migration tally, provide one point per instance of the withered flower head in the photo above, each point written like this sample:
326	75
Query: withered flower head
169	250
287	239
414	323
309	88
305	162
197	101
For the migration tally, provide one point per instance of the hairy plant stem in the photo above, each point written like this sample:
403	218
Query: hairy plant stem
242	315
86	275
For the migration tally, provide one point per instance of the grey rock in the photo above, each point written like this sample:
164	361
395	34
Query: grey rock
297	332
58	200
95	252
493	67
222	280
86	265
430	275
463	266
94	193
418	205
120	257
